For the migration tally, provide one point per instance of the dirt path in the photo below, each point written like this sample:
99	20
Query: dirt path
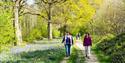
65	59
93	58
80	55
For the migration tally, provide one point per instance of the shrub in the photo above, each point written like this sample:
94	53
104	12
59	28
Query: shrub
7	36
33	35
118	57
114	47
56	33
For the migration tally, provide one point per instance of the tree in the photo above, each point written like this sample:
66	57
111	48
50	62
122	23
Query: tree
110	14
16	21
48	7
74	14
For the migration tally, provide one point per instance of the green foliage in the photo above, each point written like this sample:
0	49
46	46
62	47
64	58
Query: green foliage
106	37
119	57
74	15
76	56
99	2
45	56
56	33
35	34
96	39
101	56
42	27
73	56
109	17
114	47
7	35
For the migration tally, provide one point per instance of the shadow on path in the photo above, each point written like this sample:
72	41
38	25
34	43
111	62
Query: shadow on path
77	55
39	56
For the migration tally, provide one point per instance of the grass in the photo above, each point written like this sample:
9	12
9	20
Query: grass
101	57
76	56
46	41
46	56
99	54
73	56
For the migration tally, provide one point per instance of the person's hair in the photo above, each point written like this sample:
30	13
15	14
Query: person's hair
87	33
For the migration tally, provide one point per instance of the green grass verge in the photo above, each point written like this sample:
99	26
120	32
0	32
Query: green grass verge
46	56
73	56
99	54
76	56
101	57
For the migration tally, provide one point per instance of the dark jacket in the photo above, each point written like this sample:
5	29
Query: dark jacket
70	41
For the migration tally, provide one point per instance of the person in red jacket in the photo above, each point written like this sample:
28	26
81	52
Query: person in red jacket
87	43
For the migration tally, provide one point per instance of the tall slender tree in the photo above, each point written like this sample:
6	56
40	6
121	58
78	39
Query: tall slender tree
16	21
48	7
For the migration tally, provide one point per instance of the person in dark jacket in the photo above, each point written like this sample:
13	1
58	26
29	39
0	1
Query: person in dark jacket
68	41
78	36
87	43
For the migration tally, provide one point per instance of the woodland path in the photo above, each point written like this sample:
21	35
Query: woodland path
93	58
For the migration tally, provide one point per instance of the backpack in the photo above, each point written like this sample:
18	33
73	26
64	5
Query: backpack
67	40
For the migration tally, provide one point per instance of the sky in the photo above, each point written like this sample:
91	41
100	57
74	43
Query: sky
30	2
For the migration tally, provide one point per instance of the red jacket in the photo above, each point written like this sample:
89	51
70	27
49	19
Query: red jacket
87	41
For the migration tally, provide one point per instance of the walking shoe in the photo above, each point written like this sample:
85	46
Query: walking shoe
88	57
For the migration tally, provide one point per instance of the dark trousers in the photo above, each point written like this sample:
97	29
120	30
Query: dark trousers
67	47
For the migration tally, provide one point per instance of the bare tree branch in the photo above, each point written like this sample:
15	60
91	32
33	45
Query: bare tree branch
45	9
35	14
58	1
45	1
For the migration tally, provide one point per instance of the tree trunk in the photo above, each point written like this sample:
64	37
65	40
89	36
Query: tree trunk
49	30
49	24
17	25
